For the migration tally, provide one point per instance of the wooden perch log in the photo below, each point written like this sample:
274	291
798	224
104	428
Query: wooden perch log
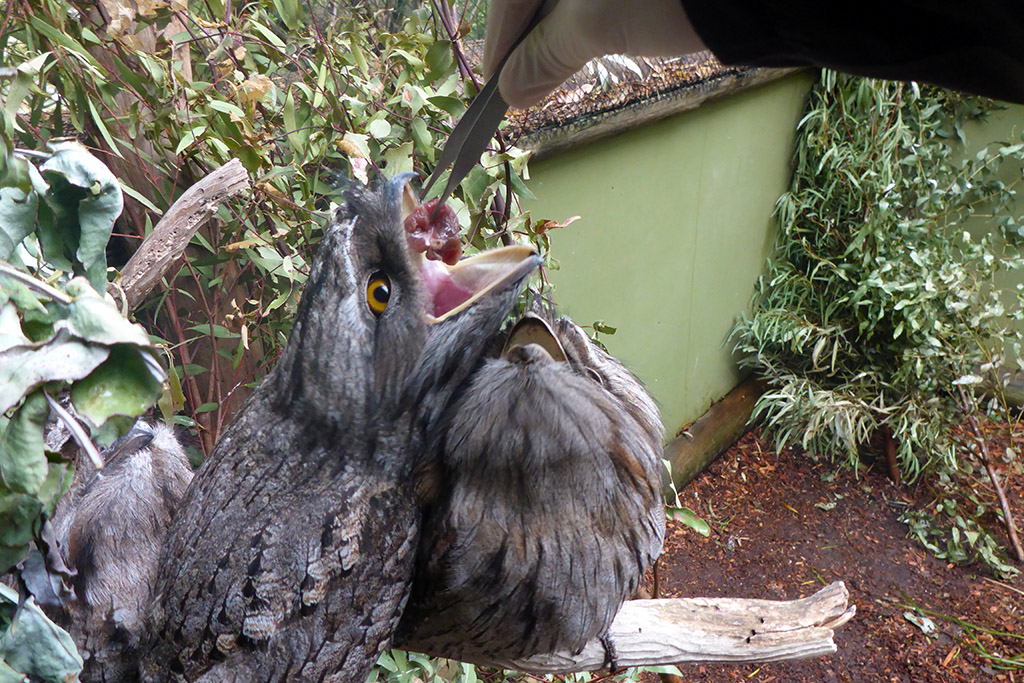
692	630
164	245
712	433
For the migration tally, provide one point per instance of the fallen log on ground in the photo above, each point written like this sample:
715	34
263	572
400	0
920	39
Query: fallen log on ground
694	630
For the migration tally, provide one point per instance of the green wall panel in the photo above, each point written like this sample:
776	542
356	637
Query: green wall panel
675	228
1004	126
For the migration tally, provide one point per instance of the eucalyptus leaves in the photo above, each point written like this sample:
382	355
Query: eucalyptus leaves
63	338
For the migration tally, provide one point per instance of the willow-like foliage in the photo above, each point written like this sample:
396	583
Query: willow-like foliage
883	294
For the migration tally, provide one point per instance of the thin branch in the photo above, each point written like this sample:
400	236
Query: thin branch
1002	585
34	284
77	432
986	460
451	28
190	383
161	249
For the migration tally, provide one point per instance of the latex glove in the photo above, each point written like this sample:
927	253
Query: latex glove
575	32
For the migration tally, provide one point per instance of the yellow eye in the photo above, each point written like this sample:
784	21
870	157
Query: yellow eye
378	292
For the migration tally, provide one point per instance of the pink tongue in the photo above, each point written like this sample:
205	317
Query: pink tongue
441	289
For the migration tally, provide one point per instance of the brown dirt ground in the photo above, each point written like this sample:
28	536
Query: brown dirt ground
770	539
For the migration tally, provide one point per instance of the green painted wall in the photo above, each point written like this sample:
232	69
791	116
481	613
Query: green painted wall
675	228
1000	126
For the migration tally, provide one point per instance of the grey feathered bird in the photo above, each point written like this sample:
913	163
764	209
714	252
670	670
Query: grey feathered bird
292	555
111	526
549	509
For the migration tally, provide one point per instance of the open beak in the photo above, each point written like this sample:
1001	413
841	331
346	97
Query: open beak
451	289
532	329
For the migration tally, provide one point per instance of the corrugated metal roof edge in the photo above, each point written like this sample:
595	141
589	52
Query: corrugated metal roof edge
616	93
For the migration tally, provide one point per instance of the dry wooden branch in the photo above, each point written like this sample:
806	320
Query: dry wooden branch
986	460
688	630
171	235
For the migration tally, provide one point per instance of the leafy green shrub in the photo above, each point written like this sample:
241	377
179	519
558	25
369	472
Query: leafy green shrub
879	300
63	338
165	93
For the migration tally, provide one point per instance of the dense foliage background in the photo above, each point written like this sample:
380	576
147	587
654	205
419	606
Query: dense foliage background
164	94
881	305
883	316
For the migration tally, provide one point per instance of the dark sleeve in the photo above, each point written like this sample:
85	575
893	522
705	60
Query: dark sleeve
976	46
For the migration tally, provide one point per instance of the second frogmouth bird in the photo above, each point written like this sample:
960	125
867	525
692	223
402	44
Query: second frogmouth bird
549	509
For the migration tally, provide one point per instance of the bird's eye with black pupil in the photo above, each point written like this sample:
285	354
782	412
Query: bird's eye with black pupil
378	292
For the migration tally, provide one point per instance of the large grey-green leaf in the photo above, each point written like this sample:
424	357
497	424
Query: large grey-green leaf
22	458
93	318
17	89
17	514
123	385
86	199
16	292
17	218
57	247
24	367
10	326
14	171
36	646
58	480
9	675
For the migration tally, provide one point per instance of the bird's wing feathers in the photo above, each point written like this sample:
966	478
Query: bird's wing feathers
309	590
306	551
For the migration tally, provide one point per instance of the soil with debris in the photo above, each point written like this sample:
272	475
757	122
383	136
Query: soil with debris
782	527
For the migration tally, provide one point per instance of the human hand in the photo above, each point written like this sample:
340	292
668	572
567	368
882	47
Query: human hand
575	32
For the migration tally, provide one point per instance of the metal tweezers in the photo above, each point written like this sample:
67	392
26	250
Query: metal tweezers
478	125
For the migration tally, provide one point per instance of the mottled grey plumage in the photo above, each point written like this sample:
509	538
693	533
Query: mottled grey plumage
111	525
550	507
292	556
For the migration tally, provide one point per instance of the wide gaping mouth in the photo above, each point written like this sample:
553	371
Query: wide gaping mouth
451	285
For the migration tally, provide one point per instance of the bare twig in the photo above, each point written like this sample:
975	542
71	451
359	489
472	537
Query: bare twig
986	460
451	27
190	383
32	283
77	432
1002	585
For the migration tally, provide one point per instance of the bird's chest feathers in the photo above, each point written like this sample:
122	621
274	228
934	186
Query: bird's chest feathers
309	541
